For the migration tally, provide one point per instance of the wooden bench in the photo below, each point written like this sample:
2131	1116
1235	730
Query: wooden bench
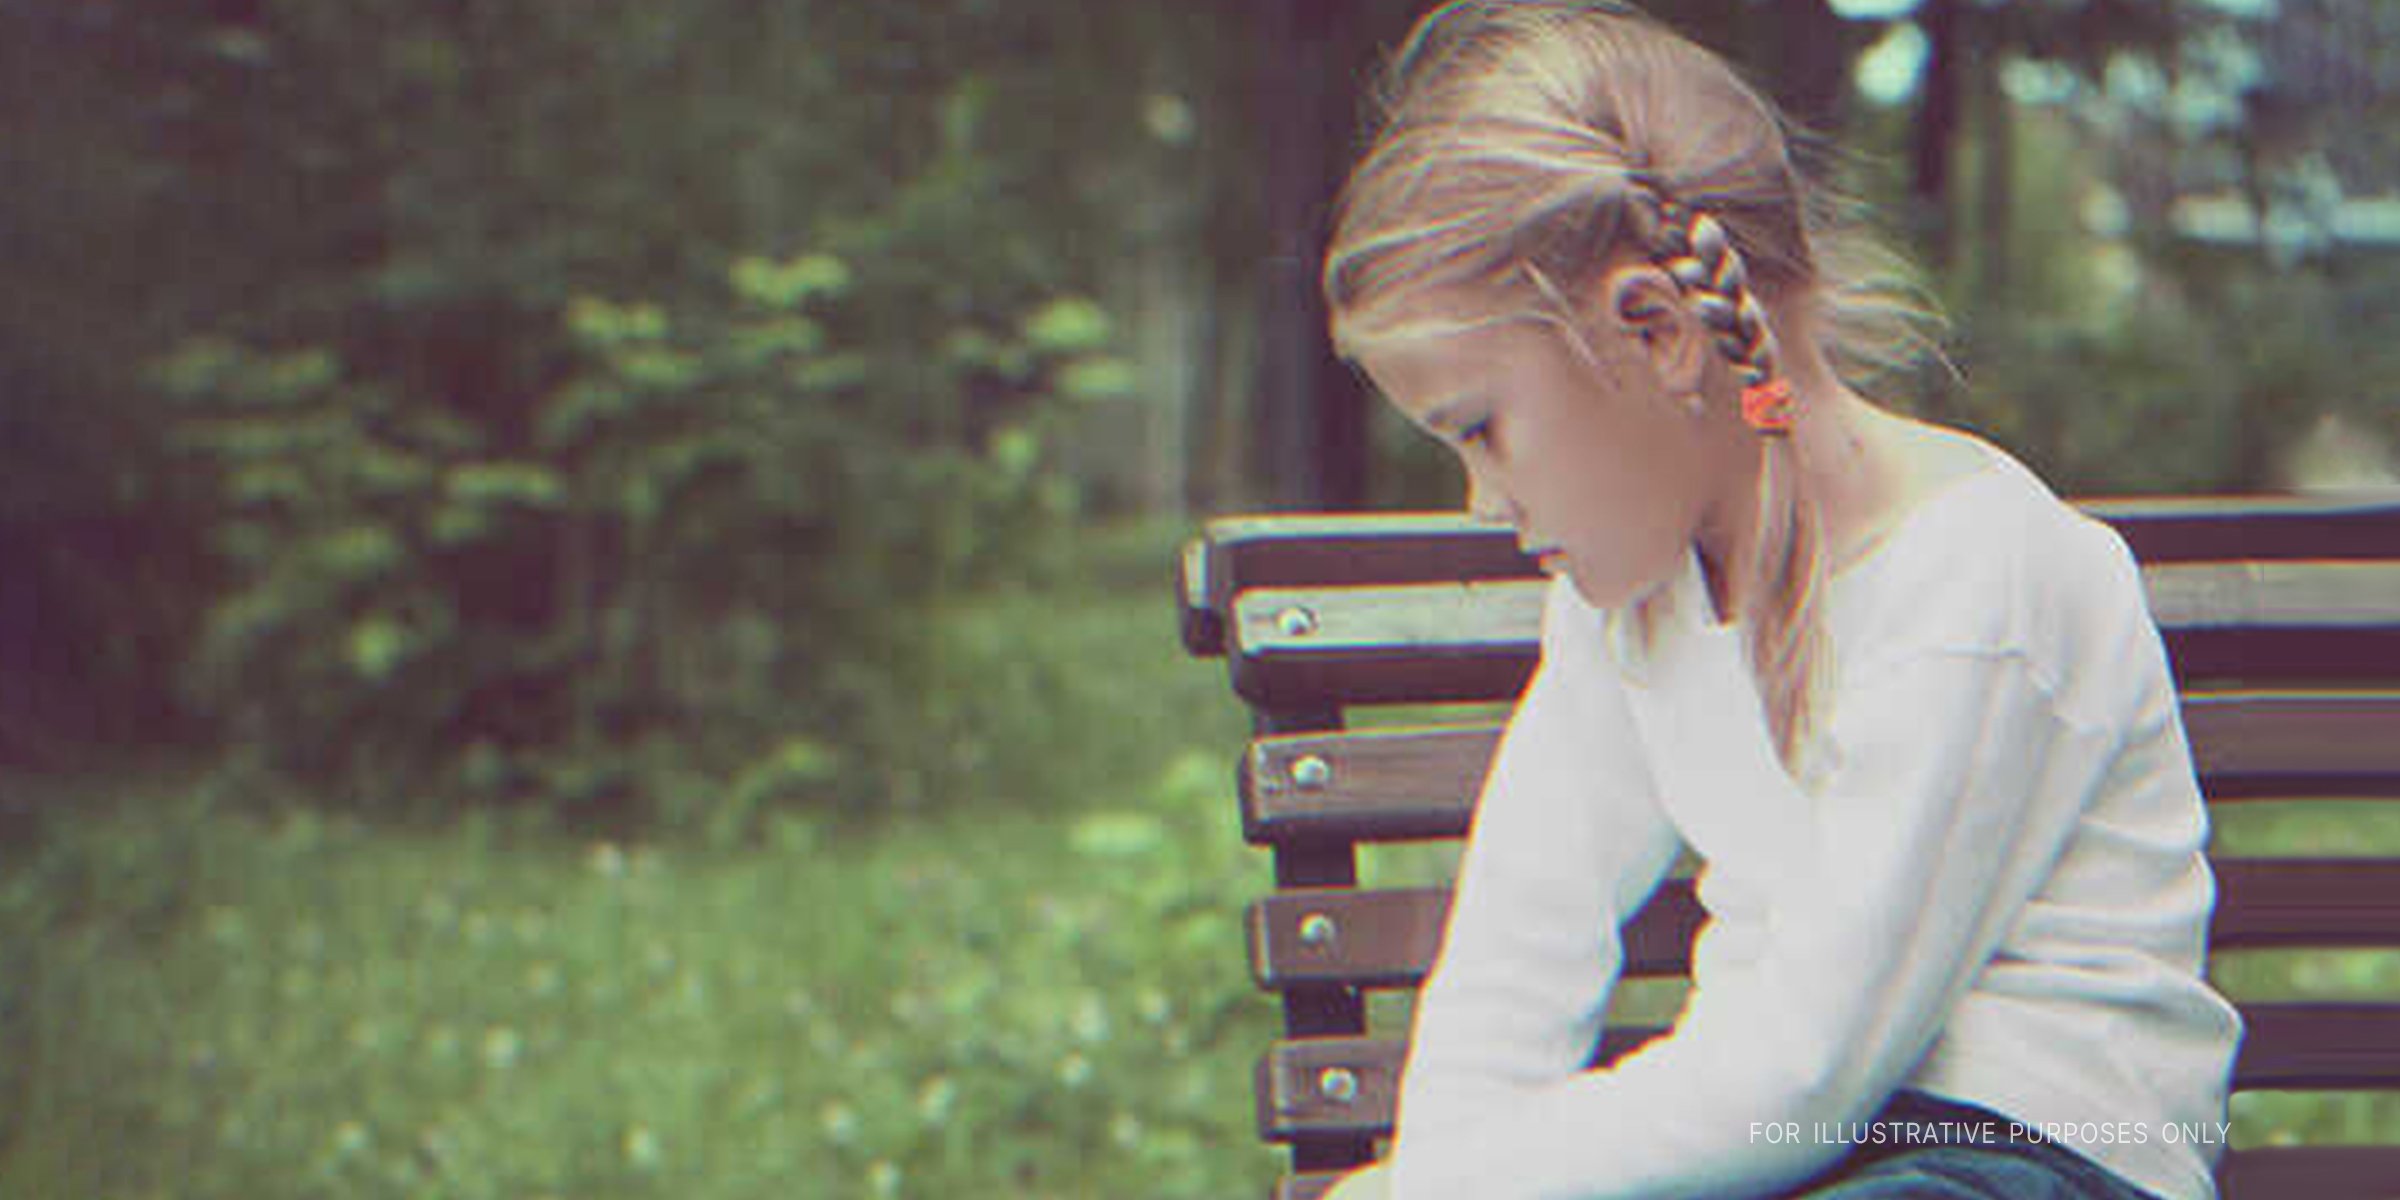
2281	616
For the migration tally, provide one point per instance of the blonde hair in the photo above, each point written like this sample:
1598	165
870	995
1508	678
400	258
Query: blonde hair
1522	141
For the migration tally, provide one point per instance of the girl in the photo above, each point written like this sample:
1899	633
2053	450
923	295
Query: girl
1907	708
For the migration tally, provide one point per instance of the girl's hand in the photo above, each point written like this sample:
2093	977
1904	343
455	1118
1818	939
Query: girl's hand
1366	1183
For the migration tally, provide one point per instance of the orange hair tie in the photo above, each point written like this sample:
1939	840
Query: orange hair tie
1769	407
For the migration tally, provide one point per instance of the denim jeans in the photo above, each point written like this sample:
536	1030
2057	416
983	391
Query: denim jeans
1898	1158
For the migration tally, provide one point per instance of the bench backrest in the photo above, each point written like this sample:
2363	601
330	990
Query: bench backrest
2281	617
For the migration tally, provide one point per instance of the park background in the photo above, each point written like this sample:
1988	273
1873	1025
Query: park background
584	589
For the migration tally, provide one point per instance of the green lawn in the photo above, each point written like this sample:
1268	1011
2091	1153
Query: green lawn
1037	992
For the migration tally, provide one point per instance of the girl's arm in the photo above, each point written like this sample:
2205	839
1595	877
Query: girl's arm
1955	780
1566	844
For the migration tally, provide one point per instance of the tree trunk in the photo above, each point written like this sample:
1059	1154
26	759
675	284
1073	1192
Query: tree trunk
1312	418
1996	133
1810	49
1933	140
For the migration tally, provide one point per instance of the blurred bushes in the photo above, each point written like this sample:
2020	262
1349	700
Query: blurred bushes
710	517
528	405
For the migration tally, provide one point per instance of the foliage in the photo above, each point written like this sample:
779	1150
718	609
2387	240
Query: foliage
417	195
2125	361
705	518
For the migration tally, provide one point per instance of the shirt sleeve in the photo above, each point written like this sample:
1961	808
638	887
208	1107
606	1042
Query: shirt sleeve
1951	785
1566	843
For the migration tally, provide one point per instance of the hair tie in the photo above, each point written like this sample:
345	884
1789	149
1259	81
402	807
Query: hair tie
1770	406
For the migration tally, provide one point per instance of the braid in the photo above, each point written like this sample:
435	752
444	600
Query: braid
1787	569
1695	250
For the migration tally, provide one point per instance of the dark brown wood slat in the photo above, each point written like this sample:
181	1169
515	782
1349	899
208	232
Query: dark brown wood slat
1430	643
1328	1086
2319	1047
1358	937
2295	743
1199	623
2261	1173
2306	902
1396	785
1314	550
1318	549
1382	786
1371	938
2196	528
1324	1086
1349	1085
2263	621
1307	550
1380	938
2292	1172
1422	643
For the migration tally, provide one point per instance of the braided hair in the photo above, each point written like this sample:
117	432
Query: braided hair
1521	139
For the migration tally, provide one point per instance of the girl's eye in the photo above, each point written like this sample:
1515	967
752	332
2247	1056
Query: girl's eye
1475	433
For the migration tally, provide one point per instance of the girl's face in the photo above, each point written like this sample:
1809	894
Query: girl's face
1601	470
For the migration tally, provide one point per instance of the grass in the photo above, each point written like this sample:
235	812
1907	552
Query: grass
1035	987
1038	992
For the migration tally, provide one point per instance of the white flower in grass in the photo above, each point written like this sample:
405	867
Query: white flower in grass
1125	1130
501	1046
883	1177
840	1122
608	860
937	1098
349	1138
1075	1070
642	1148
225	926
1152	1005
1090	1022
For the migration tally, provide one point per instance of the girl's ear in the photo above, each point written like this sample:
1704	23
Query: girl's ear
1644	304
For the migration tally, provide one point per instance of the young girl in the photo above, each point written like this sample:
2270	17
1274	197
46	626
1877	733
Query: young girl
1907	708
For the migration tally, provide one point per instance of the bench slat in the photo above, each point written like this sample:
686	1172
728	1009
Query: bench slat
1446	642
1314	550
1423	643
1350	1085
2284	1172
1368	937
1387	938
2329	903
2296	1046
2294	744
2259	1173
1398	785
1389	786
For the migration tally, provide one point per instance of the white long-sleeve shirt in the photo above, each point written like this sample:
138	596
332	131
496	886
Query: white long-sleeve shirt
1987	882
